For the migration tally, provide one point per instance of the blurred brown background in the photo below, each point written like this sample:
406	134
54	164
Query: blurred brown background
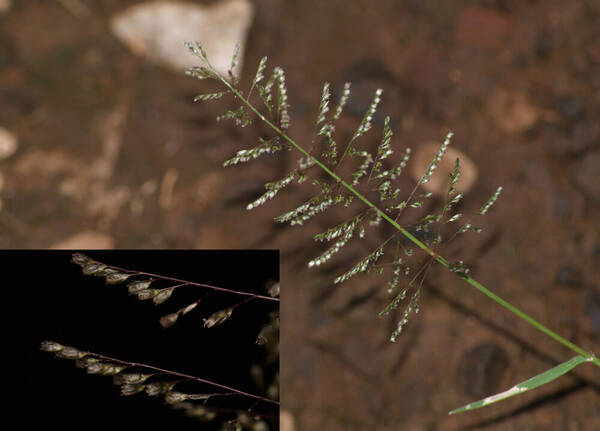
102	148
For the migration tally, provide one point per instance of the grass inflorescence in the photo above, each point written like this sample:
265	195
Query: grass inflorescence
355	172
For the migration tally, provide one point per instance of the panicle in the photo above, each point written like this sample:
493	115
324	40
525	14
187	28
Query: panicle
436	159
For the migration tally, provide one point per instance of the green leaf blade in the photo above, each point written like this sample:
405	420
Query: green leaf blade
527	385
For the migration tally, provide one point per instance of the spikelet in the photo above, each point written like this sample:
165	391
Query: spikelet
366	123
218	317
130	378
51	346
159	388
363	266
134	287
200	72
384	150
344	232
396	271
234	63
456	199
485	208
272	190
209	96
259	73
324	105
364	166
266	92
413	307
266	147
162	296
336	231
328	129
306	211
197	50
282	104
147	294
130	389
454	176
169	320
117	277
80	259
240	116
436	159
392	174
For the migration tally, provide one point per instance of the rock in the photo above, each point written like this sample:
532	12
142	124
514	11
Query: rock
586	175
286	421
85	240
512	111
1	188
438	184
481	369
157	30
8	143
5	6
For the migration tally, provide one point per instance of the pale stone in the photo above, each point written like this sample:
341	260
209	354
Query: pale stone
512	111
439	181
85	240
287	421
157	30
586	175
8	143
5	6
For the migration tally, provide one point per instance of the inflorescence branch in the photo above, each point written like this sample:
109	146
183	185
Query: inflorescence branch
139	282
132	383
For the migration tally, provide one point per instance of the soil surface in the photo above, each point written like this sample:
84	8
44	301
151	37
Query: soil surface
112	149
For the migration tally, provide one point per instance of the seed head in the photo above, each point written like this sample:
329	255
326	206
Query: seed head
158	388
130	378
51	346
169	320
130	389
136	286
93	268
147	294
218	318
80	259
70	353
162	296
175	397
116	277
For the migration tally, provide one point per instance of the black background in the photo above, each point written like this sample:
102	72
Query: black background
50	299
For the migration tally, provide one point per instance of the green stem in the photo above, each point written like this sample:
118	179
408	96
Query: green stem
416	241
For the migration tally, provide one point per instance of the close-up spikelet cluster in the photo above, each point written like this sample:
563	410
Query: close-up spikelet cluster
140	286
232	332
132	383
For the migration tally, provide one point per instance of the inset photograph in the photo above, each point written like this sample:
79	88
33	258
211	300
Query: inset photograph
145	339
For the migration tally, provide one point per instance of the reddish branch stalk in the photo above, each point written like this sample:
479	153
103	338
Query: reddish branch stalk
186	376
184	282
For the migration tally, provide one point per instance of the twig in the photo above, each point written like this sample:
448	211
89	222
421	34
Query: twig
186	376
192	283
